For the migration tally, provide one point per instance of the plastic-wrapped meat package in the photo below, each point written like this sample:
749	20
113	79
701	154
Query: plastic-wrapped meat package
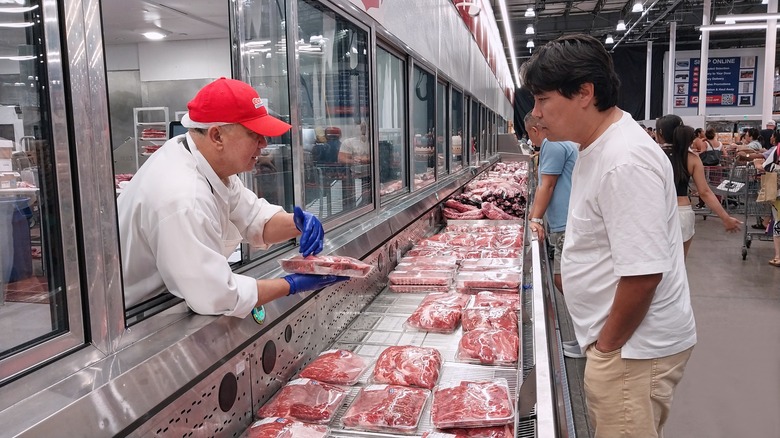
275	427
421	278
501	253
496	264
326	265
472	404
489	317
488	280
446	261
305	400
489	347
492	299
386	408
435	317
423	266
477	432
508	241
408	366
339	367
454	299
416	289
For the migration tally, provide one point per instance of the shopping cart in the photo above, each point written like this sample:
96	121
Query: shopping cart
715	175
757	211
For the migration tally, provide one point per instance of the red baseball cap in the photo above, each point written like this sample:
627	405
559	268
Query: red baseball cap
227	101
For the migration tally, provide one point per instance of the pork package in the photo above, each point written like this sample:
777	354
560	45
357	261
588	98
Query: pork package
422	278
305	400
489	347
488	280
276	427
505	431
493	299
499	317
408	366
326	265
416	289
438	313
386	408
498	264
339	367
472	404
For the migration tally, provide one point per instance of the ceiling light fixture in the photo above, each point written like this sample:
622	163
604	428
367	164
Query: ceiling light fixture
530	44
746	17
764	2
609	40
529	30
154	35
638	8
729	27
621	26
529	13
509	41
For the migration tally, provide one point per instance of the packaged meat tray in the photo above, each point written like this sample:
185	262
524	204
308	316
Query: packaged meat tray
339	367
488	280
445	261
326	265
408	366
416	289
468	404
305	400
476	432
489	317
492	299
423	266
476	290
386	408
454	299
498	264
435	317
275	427
489	347
421	278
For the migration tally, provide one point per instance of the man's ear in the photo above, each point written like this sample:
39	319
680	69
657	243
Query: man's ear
215	135
586	95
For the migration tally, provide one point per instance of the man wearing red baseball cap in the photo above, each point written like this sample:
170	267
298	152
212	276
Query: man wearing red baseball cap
186	211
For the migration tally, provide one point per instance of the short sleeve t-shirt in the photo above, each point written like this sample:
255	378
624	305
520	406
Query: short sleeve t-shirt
558	158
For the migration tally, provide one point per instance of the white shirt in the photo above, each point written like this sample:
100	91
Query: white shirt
623	222
355	147
178	223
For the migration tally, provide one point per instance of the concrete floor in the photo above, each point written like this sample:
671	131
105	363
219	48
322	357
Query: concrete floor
732	384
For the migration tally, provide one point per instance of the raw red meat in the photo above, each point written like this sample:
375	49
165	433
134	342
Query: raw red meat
386	408
489	346
491	211
445	261
421	278
408	366
326	265
492	264
459	300
459	206
305	400
339	367
492	299
412	288
284	428
435	317
472	404
489	317
477	432
451	213
488	280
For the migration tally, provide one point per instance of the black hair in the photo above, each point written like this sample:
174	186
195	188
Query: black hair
682	138
710	133
698	131
665	126
776	135
753	133
567	63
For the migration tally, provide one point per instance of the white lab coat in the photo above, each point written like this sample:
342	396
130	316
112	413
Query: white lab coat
178	223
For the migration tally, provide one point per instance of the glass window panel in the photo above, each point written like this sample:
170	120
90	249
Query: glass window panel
456	130
483	133
391	84
32	272
264	66
423	121
474	154
441	129
334	111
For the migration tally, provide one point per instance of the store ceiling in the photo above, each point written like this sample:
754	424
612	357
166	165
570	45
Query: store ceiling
600	17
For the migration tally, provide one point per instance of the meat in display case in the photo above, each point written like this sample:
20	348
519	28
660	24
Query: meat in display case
150	131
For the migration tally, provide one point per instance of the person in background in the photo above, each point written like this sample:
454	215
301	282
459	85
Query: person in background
687	165
622	268
356	150
186	210
556	162
767	133
699	144
712	144
772	164
751	148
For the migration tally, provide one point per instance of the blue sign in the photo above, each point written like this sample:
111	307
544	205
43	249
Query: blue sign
731	81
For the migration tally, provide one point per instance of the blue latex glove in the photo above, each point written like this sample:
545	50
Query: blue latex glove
307	282
311	231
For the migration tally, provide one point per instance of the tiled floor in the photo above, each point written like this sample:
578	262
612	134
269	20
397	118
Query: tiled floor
732	384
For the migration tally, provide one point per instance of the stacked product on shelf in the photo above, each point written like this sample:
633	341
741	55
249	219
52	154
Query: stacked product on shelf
499	194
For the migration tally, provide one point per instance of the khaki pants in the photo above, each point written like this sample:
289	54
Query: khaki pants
631	397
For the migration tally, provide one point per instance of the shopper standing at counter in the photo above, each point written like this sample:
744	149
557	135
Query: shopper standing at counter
186	211
622	267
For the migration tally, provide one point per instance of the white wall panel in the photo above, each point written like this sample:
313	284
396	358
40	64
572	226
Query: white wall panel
413	22
176	60
122	57
455	39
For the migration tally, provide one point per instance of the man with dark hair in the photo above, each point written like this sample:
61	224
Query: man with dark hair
622	266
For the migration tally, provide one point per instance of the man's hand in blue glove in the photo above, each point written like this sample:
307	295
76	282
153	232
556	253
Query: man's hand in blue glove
307	282
311	231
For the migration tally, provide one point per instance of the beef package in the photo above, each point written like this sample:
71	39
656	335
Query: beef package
305	400
472	404
492	299
339	367
326	265
276	427
489	346
435	317
459	300
408	366
476	432
386	408
422	278
489	317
